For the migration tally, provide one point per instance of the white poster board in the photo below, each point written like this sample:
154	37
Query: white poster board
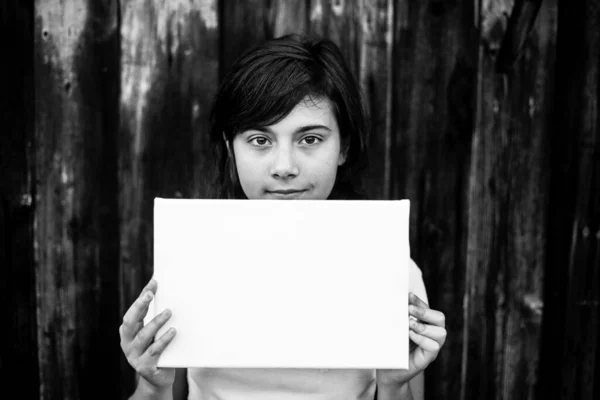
283	284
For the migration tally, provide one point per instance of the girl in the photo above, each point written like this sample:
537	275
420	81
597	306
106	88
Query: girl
288	123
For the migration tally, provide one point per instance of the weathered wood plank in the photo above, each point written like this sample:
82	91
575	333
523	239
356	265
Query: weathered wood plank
169	73
523	17
570	349
375	75
528	178
434	65
287	17
339	20
318	17
19	350
76	197
244	25
507	214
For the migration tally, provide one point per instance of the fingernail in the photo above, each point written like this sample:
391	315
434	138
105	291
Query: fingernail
416	310
416	326
148	295
172	331
166	313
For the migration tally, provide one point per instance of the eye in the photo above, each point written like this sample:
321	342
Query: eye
259	141
310	140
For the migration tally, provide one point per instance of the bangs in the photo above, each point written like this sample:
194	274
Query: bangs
263	90
263	113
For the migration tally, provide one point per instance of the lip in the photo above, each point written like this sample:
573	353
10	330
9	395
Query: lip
286	194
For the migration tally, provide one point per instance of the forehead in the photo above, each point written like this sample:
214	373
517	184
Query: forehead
309	111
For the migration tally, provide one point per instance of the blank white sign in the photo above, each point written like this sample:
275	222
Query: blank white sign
283	284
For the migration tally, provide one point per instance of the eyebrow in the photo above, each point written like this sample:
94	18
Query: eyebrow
301	129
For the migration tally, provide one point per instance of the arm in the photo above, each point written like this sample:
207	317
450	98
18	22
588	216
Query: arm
394	392
417	385
146	391
413	390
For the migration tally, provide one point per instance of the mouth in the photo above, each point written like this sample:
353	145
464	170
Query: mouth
285	194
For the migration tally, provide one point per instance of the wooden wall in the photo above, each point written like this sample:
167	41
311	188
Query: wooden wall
18	332
484	114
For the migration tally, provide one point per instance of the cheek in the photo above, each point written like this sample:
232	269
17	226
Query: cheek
329	160
249	171
324	168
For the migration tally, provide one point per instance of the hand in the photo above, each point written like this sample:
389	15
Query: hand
427	335
137	341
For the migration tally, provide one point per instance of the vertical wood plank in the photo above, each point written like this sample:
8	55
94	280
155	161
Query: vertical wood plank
318	17
570	348
169	74
75	223
339	20
434	64
19	350
376	23
507	212
345	30
287	17
243	25
250	23
531	102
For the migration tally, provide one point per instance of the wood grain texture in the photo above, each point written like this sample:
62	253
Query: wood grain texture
243	25
434	66
339	20
376	20
75	224
169	74
518	28
286	17
507	219
19	349
570	348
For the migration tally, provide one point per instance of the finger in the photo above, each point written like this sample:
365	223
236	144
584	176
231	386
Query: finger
427	344
144	337
132	320
427	315
155	350
416	300
436	333
412	346
151	286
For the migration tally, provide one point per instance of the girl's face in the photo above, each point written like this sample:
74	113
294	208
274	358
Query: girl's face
296	158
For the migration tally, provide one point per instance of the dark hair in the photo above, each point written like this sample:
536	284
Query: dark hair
266	83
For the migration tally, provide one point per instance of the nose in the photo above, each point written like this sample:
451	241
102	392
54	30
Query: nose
284	165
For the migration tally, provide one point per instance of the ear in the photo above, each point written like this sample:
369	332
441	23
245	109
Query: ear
342	156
